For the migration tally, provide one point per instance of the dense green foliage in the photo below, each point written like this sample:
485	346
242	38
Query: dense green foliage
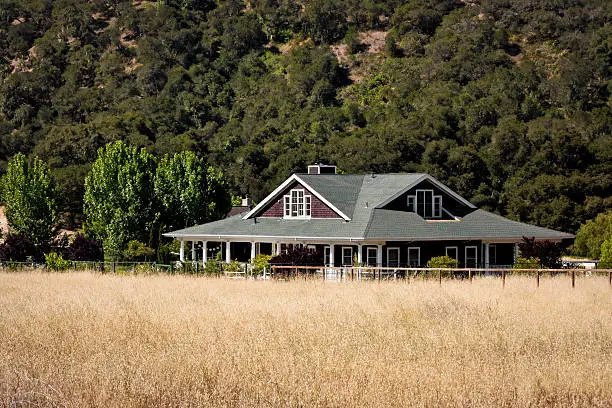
442	262
606	254
119	198
29	194
189	191
56	262
592	234
506	102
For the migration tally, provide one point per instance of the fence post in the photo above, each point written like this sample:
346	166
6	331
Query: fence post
538	278
352	274
573	278
114	268
470	275
440	276
379	273
503	278
610	278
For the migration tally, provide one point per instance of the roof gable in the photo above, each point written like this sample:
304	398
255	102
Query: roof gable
436	183
296	179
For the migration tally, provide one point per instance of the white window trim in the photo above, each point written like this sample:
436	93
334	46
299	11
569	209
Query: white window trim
399	256
456	251
465	260
433	203
418	256
288	204
351	249
375	257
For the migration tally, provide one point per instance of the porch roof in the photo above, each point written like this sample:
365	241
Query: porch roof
372	225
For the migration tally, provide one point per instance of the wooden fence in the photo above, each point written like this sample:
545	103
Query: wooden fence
381	273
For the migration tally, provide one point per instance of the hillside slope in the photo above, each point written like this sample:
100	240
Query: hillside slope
506	102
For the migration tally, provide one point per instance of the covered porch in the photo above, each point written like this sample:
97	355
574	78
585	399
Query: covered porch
345	253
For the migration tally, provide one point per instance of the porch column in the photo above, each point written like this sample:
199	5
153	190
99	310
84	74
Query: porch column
379	255
331	254
359	254
204	252
193	252
277	248
253	250
182	252
486	255
516	252
228	252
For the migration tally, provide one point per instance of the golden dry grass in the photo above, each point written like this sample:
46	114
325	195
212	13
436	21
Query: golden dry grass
85	339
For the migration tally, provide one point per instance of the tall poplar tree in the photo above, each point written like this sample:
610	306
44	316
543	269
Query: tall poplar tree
31	201
119	199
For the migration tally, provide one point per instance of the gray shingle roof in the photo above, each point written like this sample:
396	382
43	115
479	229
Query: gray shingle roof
358	196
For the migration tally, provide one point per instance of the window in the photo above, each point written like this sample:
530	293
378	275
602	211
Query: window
297	204
471	256
411	203
452	252
326	255
437	206
393	257
347	256
426	204
372	258
414	256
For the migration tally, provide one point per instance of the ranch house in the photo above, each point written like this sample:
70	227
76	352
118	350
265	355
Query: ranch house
385	220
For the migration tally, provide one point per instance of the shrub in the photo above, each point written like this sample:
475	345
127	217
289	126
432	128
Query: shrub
299	256
260	263
18	248
84	249
56	262
137	251
442	262
527	263
547	252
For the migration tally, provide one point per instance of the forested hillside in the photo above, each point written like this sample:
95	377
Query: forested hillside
508	102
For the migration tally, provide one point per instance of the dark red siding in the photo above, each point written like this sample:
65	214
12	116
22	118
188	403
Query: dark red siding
318	209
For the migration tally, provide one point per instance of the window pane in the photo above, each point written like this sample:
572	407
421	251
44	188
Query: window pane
393	257
428	204
347	256
307	206
413	256
420	198
437	206
451	252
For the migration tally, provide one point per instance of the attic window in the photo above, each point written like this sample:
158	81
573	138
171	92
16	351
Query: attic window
297	204
426	204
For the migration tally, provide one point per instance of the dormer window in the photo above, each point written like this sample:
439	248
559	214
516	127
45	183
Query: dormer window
297	204
426	204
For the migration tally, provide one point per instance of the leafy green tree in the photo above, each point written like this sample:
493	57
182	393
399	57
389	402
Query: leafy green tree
119	197
592	234
30	196
606	254
189	191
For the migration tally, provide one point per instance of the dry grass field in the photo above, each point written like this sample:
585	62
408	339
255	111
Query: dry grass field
84	339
